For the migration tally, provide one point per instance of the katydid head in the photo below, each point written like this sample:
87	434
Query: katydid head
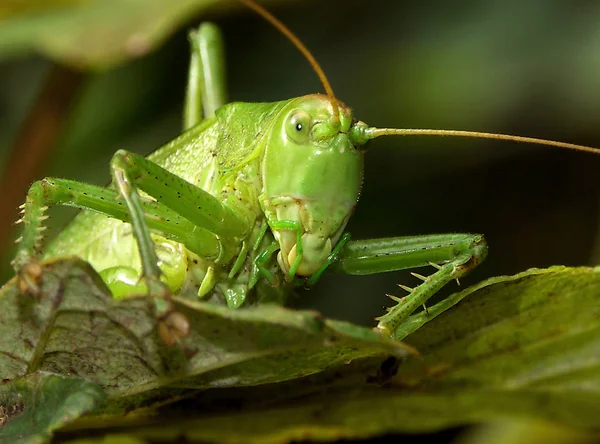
312	175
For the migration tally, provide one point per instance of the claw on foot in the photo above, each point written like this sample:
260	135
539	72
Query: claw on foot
29	277
173	327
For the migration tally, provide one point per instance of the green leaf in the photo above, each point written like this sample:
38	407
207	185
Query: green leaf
34	406
538	330
77	329
522	347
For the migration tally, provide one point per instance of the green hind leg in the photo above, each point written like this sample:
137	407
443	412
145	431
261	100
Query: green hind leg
453	255
206	76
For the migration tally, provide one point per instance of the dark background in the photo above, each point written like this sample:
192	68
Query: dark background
523	67
529	68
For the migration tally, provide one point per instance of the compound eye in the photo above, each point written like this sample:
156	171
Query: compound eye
298	126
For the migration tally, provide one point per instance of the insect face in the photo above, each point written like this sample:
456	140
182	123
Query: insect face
312	174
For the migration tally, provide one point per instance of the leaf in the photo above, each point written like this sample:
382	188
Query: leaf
538	330
521	347
34	406
93	33
77	329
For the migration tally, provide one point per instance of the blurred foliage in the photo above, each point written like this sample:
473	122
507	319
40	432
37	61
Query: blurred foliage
516	347
92	33
529	68
525	432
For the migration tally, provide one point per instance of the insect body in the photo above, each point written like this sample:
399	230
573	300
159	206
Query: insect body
248	201
241	159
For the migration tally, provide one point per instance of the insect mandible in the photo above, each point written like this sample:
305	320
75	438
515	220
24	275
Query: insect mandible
223	212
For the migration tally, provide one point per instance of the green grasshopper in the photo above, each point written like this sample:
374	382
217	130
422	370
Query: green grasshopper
249	201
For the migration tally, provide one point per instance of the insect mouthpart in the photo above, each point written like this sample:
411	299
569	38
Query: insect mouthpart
306	234
316	250
314	246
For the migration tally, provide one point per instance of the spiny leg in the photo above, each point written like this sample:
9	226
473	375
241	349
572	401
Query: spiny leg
206	76
454	254
183	213
47	192
51	191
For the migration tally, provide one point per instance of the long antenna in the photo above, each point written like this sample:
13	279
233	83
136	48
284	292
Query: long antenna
372	133
301	47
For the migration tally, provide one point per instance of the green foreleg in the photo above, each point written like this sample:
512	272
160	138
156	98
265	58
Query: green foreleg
193	203
150	269
183	213
172	325
50	191
453	255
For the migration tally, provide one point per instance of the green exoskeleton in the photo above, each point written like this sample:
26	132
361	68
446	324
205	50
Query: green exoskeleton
251	199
